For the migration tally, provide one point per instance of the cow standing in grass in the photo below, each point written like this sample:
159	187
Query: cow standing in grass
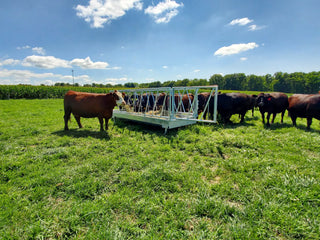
304	106
229	104
90	105
272	103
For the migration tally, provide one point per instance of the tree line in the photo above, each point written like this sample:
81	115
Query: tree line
297	82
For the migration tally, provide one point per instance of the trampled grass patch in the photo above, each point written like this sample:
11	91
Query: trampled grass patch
238	181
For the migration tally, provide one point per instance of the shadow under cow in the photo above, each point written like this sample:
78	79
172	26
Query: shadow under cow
83	133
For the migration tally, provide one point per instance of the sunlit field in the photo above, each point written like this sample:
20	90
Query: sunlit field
205	181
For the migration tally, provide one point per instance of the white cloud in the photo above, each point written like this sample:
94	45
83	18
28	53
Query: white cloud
255	27
99	12
24	47
196	71
88	64
114	68
164	67
116	79
9	61
29	77
243	59
241	21
39	50
163	12
47	62
50	62
235	49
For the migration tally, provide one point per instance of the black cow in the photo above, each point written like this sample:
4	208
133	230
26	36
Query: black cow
272	103
229	104
253	99
148	101
304	106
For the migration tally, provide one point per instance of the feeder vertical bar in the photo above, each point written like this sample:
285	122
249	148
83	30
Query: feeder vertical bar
215	104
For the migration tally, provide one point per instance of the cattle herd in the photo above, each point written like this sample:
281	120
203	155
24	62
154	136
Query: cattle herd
90	105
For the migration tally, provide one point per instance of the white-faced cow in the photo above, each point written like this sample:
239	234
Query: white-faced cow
90	105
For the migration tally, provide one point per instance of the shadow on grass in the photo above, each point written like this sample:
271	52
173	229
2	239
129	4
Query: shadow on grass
144	128
83	133
277	125
304	127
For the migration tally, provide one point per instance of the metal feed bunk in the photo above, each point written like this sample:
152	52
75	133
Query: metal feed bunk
168	107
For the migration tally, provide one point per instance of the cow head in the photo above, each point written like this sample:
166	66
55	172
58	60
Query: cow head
119	98
263	100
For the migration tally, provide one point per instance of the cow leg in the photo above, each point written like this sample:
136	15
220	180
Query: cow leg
262	116
293	118
268	119
309	122
227	118
273	117
282	114
66	119
242	117
101	123
78	121
107	121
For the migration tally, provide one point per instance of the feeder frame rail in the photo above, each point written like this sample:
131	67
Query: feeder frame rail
171	115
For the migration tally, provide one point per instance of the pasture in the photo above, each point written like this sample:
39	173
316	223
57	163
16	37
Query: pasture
237	181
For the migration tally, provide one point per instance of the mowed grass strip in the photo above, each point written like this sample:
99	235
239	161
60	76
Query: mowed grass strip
238	181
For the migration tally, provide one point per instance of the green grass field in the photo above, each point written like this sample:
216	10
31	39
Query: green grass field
239	181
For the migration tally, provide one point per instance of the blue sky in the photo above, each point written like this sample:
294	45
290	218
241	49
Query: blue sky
119	41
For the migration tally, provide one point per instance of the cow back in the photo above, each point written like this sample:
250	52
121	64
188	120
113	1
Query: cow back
305	105
89	104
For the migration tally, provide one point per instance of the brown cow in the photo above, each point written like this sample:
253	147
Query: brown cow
90	105
304	106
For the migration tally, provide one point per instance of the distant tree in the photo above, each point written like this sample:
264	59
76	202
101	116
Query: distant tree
280	83
182	83
155	84
143	85
168	84
217	79
235	81
198	82
254	83
268	82
131	85
313	82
